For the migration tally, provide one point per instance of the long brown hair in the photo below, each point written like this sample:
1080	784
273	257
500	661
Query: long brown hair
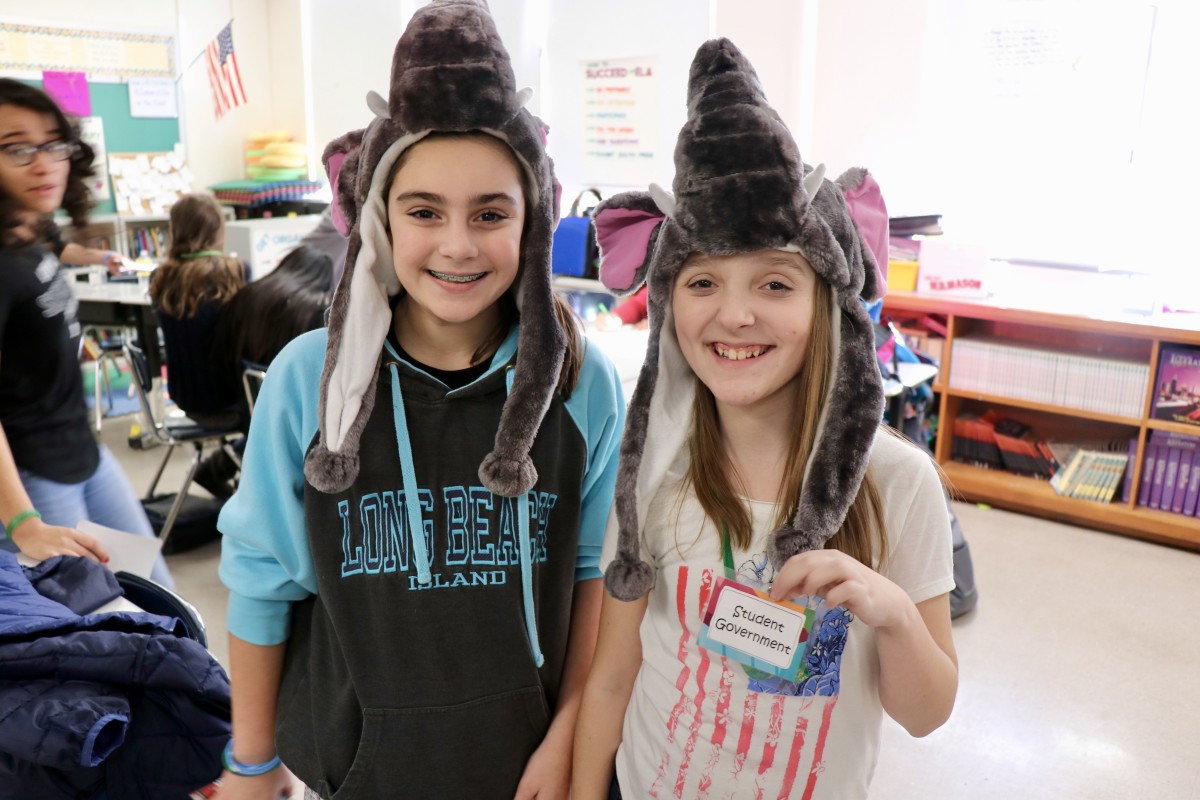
568	376
715	480
185	281
77	200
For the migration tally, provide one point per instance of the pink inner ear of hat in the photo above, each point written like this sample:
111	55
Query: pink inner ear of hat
335	169
624	237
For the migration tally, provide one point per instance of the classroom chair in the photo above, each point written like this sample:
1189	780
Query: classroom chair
253	376
154	598
172	431
108	346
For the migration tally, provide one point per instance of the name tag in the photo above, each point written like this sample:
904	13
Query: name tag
746	625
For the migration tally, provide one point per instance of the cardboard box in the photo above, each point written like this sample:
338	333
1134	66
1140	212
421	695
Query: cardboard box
952	269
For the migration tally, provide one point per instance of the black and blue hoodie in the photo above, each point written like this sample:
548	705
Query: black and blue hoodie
413	638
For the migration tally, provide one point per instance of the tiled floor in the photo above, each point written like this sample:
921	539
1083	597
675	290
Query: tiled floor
1080	668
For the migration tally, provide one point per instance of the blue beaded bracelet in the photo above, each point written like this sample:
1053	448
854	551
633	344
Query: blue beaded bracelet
236	767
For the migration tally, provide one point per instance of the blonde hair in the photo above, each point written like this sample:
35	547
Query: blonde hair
185	281
715	481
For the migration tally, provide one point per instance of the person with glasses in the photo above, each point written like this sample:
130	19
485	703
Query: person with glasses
52	472
23	154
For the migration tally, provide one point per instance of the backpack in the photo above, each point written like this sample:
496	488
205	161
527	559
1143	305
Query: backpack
575	252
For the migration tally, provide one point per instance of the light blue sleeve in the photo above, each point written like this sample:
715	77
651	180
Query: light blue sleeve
265	558
598	408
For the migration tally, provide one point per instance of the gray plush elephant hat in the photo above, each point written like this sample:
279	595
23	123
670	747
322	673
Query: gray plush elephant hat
450	74
740	186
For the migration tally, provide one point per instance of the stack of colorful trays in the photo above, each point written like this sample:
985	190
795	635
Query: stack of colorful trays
251	194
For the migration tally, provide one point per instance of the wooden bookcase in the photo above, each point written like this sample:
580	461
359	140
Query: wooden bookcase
1117	337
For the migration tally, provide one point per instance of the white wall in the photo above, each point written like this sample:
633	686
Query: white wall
215	149
141	16
351	54
780	39
288	72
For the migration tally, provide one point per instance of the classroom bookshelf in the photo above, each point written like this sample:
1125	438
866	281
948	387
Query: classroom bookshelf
127	234
1128	340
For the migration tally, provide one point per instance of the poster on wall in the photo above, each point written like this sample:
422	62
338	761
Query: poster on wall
91	131
153	98
620	119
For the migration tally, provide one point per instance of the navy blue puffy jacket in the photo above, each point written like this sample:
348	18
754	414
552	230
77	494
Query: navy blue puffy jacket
105	705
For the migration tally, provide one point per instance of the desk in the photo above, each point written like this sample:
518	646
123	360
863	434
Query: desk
122	305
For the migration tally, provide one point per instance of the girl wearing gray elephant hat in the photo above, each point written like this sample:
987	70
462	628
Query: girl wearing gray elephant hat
412	553
777	563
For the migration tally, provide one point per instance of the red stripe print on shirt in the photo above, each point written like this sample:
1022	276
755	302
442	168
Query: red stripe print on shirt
706	583
799	735
685	672
774	729
749	710
817	764
720	723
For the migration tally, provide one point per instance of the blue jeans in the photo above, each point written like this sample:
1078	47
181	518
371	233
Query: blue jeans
107	498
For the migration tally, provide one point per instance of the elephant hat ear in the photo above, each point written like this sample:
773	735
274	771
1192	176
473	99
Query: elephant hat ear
741	186
450	74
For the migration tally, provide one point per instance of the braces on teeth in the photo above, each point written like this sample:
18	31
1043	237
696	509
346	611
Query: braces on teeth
456	278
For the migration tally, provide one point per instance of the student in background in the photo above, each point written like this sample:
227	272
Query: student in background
760	464
52	473
471	437
630	311
268	313
188	291
329	240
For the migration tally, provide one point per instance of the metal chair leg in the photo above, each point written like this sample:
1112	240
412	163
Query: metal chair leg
177	506
158	474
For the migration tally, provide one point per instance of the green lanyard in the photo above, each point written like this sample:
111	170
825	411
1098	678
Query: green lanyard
727	554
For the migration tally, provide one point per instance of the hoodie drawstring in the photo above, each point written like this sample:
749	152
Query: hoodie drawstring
523	545
408	473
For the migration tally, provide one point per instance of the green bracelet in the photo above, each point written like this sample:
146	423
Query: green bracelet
19	518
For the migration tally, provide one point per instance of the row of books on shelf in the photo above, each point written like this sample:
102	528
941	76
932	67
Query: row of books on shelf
1054	377
1170	473
1098	470
998	442
149	240
1092	470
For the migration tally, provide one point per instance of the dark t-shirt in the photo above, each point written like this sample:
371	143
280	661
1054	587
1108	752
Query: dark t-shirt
453	378
41	389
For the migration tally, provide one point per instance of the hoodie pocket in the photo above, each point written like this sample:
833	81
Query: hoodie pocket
476	749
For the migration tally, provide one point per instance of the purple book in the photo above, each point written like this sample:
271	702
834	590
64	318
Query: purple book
1160	471
1189	502
1177	390
1170	478
1147	474
1181	485
1127	486
1181	441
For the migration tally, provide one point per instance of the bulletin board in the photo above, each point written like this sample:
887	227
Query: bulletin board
108	53
124	133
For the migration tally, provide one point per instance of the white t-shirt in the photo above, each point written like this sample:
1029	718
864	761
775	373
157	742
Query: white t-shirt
697	725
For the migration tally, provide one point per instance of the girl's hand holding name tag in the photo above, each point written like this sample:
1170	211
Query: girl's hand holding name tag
845	582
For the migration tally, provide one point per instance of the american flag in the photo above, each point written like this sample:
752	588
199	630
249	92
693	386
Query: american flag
223	73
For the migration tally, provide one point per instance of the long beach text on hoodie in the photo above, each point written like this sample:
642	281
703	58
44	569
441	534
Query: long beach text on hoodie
420	671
